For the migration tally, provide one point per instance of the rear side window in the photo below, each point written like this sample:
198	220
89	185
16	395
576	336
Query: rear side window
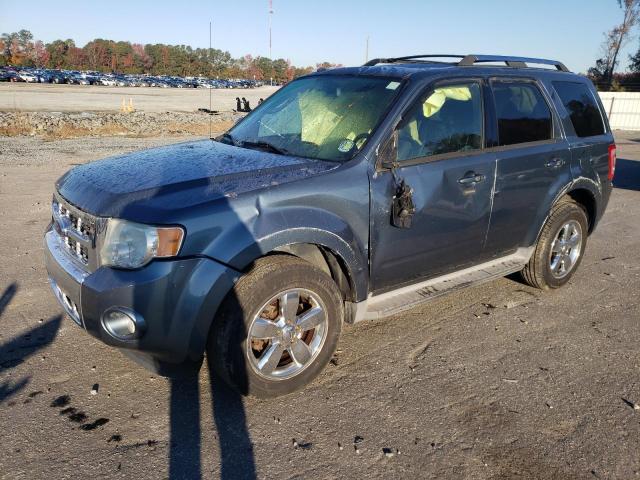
523	114
582	107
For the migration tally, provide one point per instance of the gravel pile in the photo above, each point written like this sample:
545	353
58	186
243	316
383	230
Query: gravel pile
71	124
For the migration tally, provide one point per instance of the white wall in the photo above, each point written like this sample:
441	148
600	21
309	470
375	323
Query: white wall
623	109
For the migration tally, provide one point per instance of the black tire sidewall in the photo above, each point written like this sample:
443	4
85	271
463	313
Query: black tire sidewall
243	304
570	211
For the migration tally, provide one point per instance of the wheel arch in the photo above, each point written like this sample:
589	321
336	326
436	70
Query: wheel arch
326	260
583	197
320	237
585	192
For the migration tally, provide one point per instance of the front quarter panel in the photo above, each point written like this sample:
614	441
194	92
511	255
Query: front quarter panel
329	210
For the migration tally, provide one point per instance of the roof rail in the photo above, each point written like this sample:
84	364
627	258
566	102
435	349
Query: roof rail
471	60
376	61
515	62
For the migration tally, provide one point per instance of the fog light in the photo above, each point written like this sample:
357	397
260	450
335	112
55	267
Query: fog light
123	323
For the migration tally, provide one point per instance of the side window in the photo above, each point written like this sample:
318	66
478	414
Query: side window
523	114
448	119
582	107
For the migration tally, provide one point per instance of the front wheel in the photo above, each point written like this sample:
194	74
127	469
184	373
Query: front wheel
277	329
560	247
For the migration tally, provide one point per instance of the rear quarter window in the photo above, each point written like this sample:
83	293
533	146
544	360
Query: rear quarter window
582	108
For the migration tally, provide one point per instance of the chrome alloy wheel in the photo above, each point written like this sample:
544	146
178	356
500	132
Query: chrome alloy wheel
565	249
287	334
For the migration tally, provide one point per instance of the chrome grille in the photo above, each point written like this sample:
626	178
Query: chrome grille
80	251
76	229
76	220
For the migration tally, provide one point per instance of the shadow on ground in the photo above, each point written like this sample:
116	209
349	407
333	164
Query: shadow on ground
627	175
17	350
236	457
236	451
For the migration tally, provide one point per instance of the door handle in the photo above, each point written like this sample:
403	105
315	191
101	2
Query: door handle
554	163
471	179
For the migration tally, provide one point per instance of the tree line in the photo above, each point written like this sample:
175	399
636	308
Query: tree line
19	49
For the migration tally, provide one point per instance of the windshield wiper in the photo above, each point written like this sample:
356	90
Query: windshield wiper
226	136
265	146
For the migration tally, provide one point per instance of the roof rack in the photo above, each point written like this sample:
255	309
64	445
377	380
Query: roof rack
471	60
410	58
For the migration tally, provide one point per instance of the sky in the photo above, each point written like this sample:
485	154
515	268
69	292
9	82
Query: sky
309	31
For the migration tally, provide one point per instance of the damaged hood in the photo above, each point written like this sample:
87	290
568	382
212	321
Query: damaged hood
177	177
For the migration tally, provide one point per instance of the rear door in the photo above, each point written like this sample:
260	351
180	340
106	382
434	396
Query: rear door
440	155
533	163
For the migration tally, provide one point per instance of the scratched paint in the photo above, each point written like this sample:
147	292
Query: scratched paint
180	175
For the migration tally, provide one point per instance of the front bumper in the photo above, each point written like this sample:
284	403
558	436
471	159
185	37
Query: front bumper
177	299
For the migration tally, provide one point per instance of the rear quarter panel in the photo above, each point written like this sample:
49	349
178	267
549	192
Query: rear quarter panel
589	156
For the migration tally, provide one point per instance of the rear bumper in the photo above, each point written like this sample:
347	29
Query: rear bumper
177	300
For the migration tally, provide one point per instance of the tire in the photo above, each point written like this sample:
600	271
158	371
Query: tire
541	271
246	364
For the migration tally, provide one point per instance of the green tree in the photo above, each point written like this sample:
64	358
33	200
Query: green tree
58	53
280	67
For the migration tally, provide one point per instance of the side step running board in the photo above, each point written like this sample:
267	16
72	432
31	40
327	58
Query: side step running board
396	301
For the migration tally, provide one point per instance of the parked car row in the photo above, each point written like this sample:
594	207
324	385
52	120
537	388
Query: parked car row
74	77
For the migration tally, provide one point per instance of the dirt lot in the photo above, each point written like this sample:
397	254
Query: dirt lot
498	381
27	97
71	111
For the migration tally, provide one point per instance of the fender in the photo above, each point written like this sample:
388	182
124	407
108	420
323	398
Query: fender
274	228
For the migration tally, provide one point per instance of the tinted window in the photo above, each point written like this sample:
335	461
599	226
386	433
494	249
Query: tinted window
582	107
523	114
448	119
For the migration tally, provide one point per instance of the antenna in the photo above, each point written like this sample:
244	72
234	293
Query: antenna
210	116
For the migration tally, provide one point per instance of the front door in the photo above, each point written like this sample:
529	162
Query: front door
439	150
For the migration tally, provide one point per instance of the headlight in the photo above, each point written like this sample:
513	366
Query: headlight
133	245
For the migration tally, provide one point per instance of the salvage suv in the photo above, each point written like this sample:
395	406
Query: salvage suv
350	194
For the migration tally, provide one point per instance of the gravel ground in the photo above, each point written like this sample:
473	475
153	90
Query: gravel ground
53	125
498	381
71	111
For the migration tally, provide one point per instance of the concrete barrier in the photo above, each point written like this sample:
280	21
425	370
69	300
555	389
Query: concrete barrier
623	109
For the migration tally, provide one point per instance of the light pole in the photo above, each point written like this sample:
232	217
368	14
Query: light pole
270	52
366	52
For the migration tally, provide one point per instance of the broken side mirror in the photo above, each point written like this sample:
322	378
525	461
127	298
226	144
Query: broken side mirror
402	206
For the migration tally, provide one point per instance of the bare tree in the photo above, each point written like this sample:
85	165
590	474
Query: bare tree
615	40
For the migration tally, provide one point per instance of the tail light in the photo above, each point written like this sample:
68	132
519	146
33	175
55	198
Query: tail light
612	161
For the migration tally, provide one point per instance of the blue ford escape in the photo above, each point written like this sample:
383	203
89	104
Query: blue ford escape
350	194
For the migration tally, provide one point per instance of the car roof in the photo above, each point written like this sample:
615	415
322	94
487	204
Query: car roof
407	70
483	65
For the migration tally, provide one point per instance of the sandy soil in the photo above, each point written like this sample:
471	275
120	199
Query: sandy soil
499	381
89	98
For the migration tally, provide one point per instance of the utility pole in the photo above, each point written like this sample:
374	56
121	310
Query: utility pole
210	106
270	52
366	52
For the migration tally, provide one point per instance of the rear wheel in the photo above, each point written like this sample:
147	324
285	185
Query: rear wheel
560	247
277	329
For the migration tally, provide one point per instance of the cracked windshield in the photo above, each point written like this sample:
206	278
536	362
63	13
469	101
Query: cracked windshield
326	117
